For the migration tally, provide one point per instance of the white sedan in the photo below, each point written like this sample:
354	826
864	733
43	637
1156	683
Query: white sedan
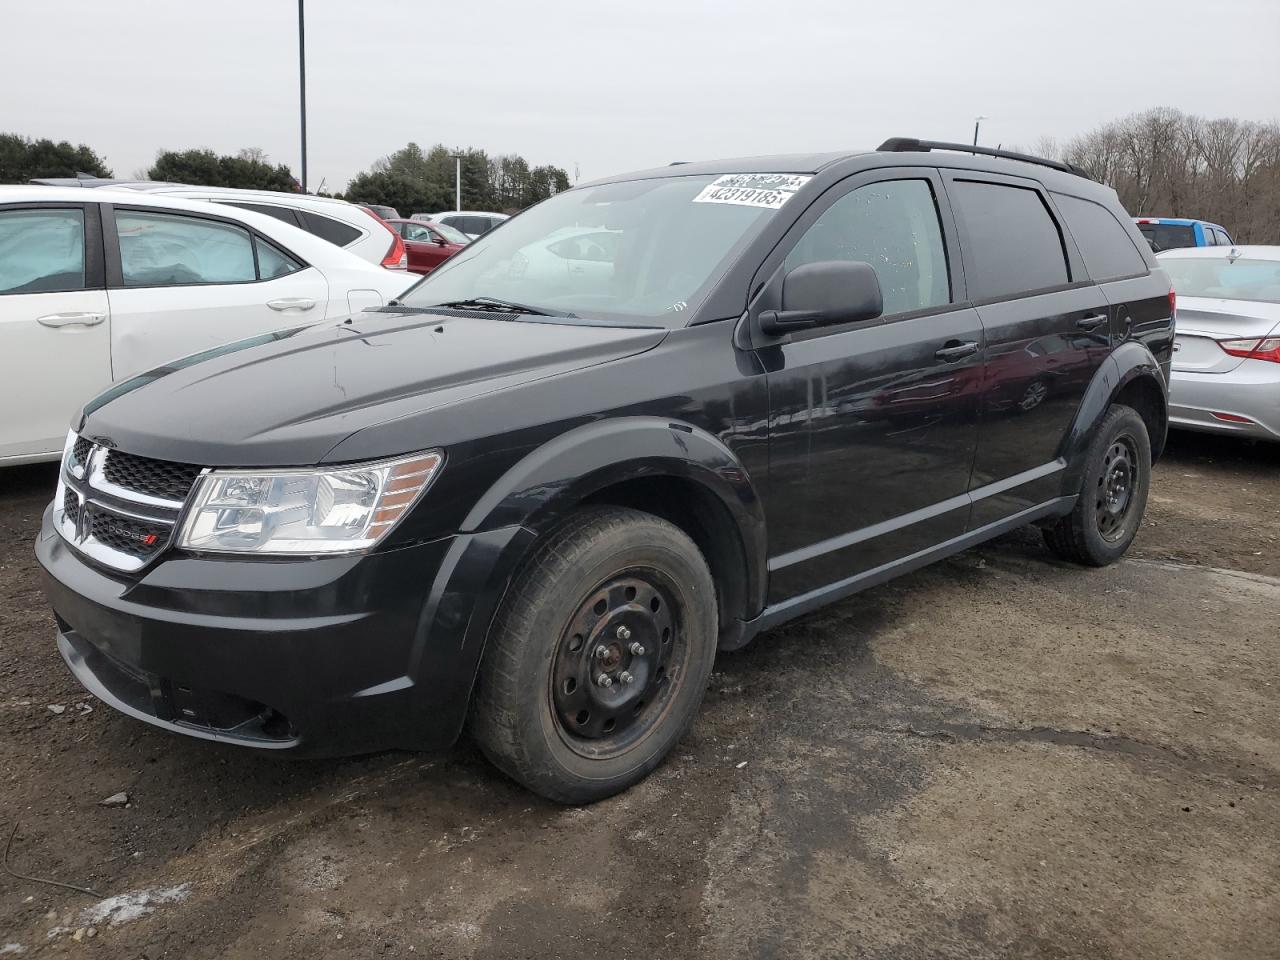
96	286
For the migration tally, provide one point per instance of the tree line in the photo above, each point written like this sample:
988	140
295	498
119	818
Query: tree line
1168	163
410	179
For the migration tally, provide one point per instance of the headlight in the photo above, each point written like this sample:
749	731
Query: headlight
325	510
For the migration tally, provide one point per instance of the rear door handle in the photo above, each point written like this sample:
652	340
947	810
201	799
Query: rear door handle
71	319
956	350
1089	323
291	303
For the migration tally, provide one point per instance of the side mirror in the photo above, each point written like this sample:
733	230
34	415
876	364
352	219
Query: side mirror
824	293
439	241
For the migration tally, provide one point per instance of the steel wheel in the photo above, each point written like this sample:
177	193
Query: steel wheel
1116	483
617	664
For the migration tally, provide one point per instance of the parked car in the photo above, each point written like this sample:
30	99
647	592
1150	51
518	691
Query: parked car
348	225
344	224
1226	361
100	285
471	223
1168	233
541	514
382	210
428	244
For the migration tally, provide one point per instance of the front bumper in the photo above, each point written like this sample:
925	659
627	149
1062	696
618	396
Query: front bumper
316	657
1251	390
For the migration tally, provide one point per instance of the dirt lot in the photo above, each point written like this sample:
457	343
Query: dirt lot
1000	756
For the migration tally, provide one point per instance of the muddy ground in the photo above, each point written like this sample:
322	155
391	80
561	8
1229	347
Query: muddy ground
1001	756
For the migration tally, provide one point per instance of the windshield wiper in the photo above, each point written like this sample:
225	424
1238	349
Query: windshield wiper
494	305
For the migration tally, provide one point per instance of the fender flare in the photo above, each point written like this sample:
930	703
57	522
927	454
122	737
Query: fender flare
541	486
1128	362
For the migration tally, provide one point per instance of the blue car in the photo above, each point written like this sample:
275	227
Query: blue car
1166	233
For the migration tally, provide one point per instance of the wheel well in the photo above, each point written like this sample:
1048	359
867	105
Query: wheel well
700	514
1146	397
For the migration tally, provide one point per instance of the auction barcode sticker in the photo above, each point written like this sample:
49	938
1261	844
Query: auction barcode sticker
768	190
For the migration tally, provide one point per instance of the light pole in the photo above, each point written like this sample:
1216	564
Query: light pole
977	122
457	181
302	89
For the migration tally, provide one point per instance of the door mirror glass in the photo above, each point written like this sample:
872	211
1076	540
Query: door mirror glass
824	293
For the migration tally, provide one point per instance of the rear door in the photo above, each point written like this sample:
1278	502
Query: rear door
1047	330
55	346
873	425
182	282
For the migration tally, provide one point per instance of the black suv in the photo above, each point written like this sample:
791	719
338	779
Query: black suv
646	420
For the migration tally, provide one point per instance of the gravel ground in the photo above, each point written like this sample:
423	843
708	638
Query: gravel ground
999	756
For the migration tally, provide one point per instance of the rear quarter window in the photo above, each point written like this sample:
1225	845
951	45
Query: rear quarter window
1012	243
326	228
1103	242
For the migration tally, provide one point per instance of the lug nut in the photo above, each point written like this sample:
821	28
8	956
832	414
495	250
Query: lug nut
625	677
623	632
637	649
604	680
601	652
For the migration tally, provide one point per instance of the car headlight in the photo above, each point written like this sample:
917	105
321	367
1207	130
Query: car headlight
321	510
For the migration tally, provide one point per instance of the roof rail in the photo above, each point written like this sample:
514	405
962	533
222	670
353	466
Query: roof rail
912	145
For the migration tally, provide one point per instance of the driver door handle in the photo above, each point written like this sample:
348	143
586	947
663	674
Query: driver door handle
1091	322
71	319
956	350
291	303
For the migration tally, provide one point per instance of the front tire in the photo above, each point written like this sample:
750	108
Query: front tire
598	657
1113	494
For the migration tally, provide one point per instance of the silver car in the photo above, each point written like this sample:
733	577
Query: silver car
1226	360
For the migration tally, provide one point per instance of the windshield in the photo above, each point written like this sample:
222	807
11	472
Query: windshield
1168	236
1224	279
639	250
450	234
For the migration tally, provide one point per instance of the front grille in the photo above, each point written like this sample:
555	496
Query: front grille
120	509
137	538
80	451
156	478
71	505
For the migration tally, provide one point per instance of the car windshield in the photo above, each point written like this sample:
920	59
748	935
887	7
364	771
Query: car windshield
1168	236
450	234
1220	278
644	251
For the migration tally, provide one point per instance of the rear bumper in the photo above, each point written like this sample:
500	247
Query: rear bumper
1251	390
315	657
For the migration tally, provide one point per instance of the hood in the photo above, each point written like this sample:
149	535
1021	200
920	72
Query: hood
287	398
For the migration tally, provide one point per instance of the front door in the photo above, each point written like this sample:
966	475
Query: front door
873	425
55	329
1047	328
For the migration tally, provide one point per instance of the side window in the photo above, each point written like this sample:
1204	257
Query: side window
41	251
1104	244
414	231
159	249
1223	239
326	228
274	262
1209	239
1012	243
283	214
892	225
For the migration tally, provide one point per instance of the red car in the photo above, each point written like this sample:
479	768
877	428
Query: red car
428	244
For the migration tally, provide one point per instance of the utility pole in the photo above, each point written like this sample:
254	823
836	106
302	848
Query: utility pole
302	88
457	180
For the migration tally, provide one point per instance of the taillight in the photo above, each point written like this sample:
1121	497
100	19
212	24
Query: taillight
1173	305
1253	348
396	258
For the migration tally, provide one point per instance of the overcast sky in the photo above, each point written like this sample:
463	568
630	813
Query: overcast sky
612	86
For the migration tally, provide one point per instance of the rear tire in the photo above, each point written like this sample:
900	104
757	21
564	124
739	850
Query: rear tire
613	593
1113	493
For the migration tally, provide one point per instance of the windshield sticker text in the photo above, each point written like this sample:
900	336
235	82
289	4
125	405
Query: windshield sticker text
768	190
